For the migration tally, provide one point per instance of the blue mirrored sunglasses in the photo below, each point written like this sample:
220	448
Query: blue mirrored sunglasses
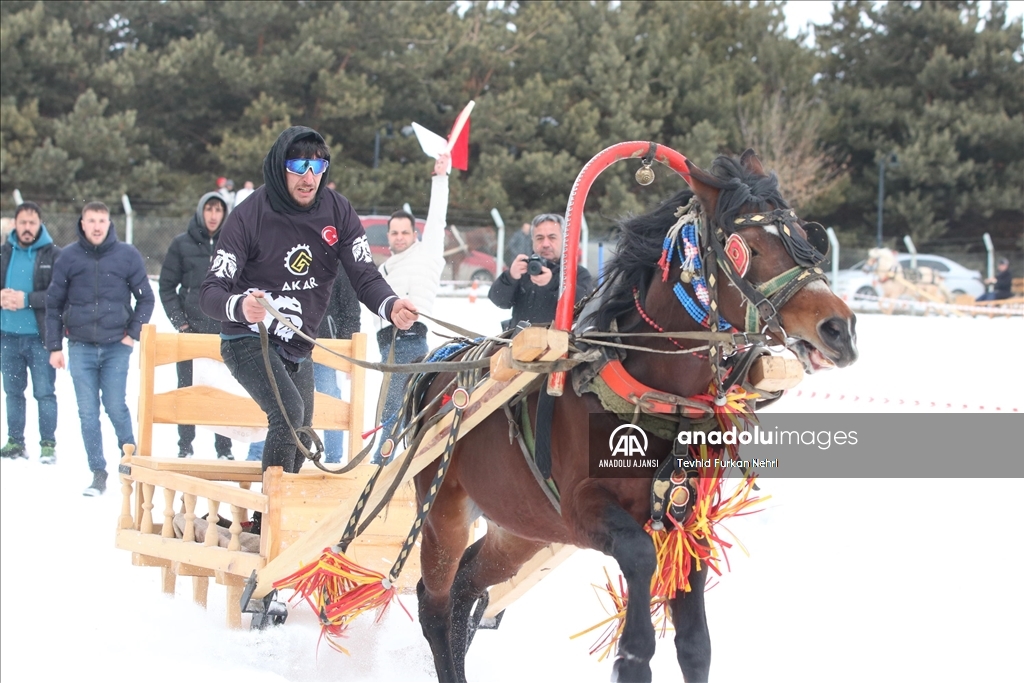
300	166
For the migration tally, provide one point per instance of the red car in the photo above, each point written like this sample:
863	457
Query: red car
461	261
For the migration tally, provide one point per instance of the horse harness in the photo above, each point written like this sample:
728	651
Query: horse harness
665	415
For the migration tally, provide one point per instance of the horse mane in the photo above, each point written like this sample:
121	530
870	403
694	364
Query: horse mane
640	238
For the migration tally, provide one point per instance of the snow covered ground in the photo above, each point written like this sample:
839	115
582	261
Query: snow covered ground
846	580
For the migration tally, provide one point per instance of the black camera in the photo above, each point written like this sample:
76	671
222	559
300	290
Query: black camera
535	264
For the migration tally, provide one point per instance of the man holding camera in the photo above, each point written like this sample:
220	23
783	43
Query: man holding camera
533	298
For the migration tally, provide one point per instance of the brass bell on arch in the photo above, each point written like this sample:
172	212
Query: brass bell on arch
645	174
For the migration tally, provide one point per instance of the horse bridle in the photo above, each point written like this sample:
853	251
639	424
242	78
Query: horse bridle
764	301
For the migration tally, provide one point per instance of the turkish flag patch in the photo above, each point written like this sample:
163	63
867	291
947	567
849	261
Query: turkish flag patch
330	235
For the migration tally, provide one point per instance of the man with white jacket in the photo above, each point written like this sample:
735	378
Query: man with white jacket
414	272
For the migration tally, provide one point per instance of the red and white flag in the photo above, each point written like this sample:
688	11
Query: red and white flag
457	144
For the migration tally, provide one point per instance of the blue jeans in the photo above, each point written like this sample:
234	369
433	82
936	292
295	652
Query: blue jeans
407	349
325	379
100	372
20	356
256	450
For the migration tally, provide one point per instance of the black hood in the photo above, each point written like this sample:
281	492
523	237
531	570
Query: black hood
273	172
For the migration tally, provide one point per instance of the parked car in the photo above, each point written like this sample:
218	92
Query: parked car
461	261
855	283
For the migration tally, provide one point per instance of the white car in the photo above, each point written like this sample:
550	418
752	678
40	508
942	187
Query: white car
855	283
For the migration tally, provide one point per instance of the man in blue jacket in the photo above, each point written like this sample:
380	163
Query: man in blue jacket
26	264
90	301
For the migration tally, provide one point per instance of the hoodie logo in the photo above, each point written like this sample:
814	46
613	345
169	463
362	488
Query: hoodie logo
361	250
330	235
224	265
299	259
283	304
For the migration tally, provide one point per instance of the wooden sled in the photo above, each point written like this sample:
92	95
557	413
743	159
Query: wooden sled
160	494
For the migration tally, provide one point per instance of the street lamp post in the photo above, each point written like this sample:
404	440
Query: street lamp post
886	160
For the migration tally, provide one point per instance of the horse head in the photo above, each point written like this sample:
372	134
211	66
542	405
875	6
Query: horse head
727	255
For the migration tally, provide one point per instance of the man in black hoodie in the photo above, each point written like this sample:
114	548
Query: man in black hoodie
285	244
184	269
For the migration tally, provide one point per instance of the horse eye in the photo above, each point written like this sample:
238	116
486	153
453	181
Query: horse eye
754	252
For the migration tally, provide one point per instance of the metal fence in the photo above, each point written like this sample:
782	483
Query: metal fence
152	236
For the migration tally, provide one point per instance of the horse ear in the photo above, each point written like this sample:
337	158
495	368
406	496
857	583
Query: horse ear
749	161
703	186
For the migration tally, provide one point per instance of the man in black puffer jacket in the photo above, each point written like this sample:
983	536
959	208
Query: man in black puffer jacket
90	300
185	266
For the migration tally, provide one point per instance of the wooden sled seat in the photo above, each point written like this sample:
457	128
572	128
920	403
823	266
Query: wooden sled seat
155	491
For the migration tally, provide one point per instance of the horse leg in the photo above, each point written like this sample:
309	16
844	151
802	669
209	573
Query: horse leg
441	546
693	640
614	532
493	559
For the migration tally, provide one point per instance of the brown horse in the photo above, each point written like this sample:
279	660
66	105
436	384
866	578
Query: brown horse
488	475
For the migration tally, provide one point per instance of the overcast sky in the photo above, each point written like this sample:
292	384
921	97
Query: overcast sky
799	13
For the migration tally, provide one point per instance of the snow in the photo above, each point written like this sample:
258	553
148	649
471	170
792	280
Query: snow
845	579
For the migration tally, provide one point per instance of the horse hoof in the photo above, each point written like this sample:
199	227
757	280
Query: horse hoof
630	669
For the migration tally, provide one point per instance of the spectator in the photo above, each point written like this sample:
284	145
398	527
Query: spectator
183	271
243	193
533	299
90	300
333	186
284	246
26	266
340	322
1002	283
519	243
224	189
413	270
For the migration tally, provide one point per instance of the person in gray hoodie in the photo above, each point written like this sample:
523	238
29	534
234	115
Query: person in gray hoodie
184	269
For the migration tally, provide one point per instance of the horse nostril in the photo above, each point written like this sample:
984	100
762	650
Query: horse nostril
831	330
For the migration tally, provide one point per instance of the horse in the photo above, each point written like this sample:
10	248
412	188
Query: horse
488	475
902	282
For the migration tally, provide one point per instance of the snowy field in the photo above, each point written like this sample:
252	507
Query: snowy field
846	580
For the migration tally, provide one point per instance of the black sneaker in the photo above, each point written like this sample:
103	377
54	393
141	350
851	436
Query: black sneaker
98	486
184	452
225	456
13	449
257	523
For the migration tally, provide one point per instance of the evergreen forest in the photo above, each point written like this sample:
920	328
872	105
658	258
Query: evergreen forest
158	99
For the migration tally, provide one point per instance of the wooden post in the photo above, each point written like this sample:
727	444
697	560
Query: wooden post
200	589
147	509
211	524
147	375
168	529
270	533
234	585
237	515
188	534
125	521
